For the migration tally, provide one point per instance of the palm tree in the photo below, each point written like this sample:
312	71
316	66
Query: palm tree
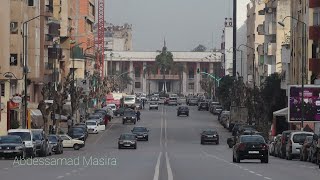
164	62
179	68
149	69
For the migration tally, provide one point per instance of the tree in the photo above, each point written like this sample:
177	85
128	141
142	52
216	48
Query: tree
44	107
200	48
164	62
207	84
224	91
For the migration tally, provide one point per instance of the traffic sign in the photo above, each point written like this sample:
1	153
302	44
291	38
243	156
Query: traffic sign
17	99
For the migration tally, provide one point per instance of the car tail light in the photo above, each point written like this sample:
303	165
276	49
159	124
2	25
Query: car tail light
283	141
242	146
290	142
264	147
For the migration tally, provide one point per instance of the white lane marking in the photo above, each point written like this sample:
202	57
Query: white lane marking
246	169
74	171
252	172
157	168
169	170
81	169
68	174
5	168
95	143
161	126
165	128
60	177
267	178
259	175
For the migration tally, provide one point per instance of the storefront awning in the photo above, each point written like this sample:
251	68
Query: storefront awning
36	118
281	112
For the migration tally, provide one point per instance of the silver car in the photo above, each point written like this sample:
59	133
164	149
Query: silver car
295	143
153	105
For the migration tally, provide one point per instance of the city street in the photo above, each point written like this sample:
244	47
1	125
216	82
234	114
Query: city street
173	152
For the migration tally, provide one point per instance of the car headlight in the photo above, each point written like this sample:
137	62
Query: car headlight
120	142
145	134
19	147
133	142
124	117
133	117
0	147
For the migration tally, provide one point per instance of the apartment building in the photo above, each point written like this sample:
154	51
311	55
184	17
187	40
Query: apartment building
256	68
5	62
275	11
118	38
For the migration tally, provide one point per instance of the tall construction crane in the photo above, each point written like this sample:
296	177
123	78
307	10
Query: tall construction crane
100	41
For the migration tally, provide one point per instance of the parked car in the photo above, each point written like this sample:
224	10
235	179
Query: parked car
41	142
183	110
235	128
312	154
95	127
212	104
96	116
203	105
304	151
173	101
129	117
210	136
277	145
142	133
284	141
12	146
193	102
56	142
217	109
153	105
77	133
127	140
113	107
161	100
27	137
250	147
295	142
84	127
69	142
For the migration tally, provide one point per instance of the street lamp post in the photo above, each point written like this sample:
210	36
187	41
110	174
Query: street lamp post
304	56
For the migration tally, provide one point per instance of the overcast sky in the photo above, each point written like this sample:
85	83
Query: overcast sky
184	23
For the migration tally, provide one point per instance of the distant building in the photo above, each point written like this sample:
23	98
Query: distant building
118	38
226	47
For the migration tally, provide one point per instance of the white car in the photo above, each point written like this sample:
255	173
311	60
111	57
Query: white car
26	136
113	107
94	126
68	142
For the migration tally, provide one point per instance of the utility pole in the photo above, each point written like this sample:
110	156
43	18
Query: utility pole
234	67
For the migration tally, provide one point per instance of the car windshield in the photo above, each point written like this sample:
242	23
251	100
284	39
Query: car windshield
209	132
139	129
37	136
90	123
52	138
252	139
129	113
127	137
129	98
10	139
94	117
77	130
299	138
25	136
112	106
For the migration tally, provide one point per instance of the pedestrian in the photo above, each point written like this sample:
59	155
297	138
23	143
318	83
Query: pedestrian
69	122
138	114
143	103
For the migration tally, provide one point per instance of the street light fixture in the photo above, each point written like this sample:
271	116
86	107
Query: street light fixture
304	56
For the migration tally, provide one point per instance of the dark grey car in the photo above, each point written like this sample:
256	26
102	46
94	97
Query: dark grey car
41	142
12	146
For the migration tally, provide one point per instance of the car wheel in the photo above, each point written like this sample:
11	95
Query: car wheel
23	155
265	159
289	157
202	142
217	143
119	146
135	146
122	122
188	114
76	147
301	157
147	138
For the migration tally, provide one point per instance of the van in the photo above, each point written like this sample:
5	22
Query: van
27	137
295	142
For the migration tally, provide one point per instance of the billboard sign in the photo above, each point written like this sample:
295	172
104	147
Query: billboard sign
311	103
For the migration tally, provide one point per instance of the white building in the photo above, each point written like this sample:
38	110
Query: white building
226	47
184	82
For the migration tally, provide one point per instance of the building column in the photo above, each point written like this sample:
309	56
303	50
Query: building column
144	81
131	86
197	81
118	66
184	79
210	67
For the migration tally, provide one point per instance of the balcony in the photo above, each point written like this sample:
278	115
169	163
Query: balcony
270	28
271	49
48	41
314	3
160	77
314	32
260	29
314	65
260	49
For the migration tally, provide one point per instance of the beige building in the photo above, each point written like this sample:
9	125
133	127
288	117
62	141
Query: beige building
275	11
118	38
255	40
5	62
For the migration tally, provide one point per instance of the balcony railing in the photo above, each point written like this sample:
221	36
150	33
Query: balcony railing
160	76
314	32
314	65
271	49
270	28
314	3
260	29
260	49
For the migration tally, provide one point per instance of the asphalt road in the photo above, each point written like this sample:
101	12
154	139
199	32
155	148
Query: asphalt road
173	152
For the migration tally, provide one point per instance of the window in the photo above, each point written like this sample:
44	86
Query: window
137	85
30	2
14	27
13	59
191	73
316	18
3	87
191	86
137	72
